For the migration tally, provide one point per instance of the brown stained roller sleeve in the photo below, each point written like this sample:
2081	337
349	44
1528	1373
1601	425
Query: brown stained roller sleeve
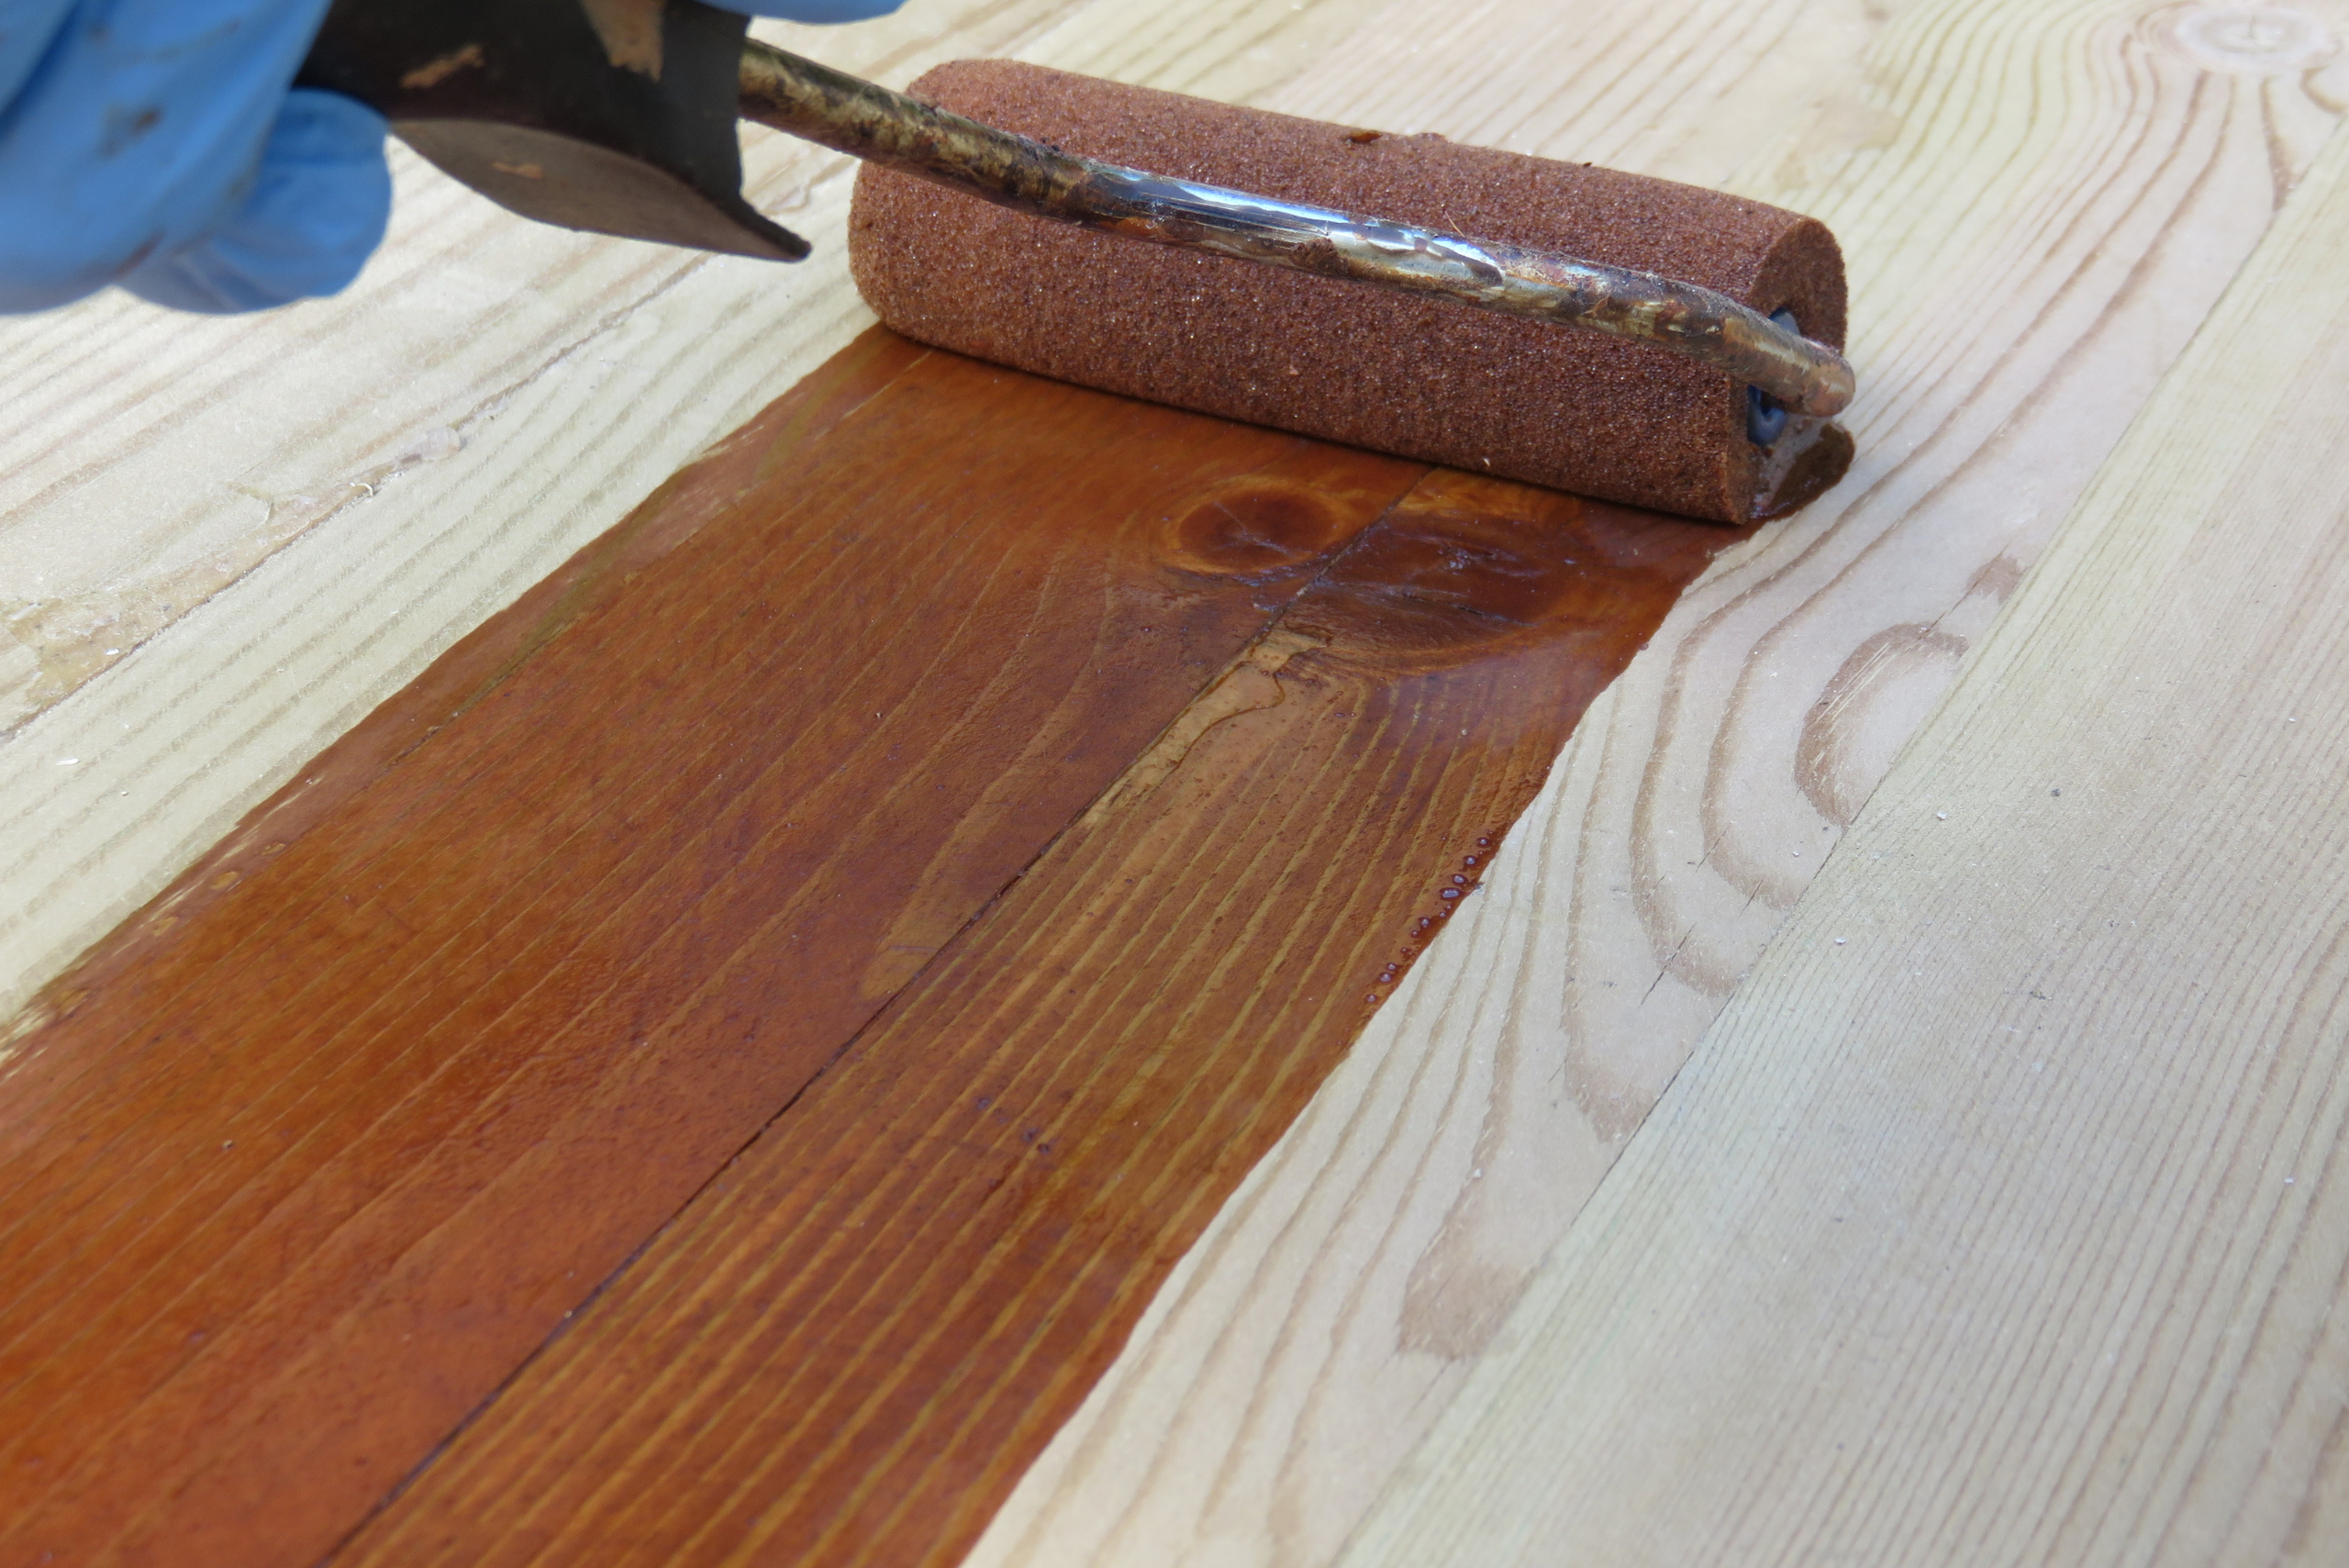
1426	379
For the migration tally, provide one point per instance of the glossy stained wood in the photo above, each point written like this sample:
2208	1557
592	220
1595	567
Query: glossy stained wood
307	1161
327	1141
848	1348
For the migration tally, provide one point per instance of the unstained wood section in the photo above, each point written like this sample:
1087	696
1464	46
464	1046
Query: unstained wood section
308	1157
2004	1216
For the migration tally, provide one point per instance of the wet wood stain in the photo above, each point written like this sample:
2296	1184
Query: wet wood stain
778	1001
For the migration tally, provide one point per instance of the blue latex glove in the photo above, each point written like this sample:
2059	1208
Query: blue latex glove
157	144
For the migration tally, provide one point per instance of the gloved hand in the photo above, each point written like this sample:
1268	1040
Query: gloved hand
159	145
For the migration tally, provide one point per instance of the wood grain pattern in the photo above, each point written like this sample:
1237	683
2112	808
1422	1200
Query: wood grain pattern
2068	185
224	541
304	1163
848	1350
2004	1216
2039	204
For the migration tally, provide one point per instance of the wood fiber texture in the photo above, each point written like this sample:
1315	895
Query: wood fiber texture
848	1351
2004	1216
1579	411
1147	749
420	1065
225	541
2040	204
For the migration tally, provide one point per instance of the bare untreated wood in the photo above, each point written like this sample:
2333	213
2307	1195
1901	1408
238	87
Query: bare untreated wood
848	1350
297	1169
2004	1216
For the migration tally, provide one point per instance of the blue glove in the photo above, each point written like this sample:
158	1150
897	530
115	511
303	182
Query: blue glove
157	144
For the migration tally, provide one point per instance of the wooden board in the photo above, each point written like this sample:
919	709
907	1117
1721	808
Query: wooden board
225	540
2039	204
849	1350
317	1151
2004	1216
426	1050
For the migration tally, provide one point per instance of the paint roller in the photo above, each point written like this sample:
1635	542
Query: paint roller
1604	333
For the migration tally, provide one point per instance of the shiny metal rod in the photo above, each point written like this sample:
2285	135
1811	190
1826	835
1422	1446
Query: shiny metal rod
840	111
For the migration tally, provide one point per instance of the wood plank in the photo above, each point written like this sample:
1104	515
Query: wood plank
225	540
2039	204
848	1348
2004	1216
343	1126
2070	180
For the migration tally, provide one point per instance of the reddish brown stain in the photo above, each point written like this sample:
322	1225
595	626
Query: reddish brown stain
1811	470
891	1305
774	817
1255	531
1467	567
1284	518
554	932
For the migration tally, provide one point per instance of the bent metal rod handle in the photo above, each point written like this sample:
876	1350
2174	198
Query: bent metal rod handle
851	116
